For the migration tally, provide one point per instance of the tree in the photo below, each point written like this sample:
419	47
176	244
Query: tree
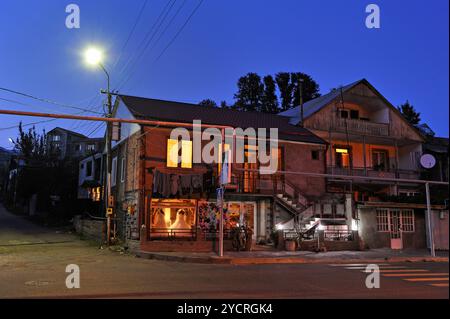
283	82
409	113
269	98
310	88
208	102
31	145
250	93
224	105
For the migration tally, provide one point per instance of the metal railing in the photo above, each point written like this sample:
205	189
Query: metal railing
172	234
371	172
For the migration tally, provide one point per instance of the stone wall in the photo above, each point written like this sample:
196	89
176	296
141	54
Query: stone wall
91	229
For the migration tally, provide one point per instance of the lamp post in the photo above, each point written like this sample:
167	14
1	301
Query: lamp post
94	57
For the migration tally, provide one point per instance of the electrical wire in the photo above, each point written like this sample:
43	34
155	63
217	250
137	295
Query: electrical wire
146	42
44	100
138	18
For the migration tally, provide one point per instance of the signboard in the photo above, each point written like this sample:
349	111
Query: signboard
109	211
427	161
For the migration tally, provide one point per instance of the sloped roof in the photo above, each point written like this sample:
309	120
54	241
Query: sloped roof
68	131
314	105
145	108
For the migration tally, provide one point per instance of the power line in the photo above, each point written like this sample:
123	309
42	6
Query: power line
45	100
157	40
141	11
180	30
159	21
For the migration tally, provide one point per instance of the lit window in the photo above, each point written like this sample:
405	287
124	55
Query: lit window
342	150
56	138
173	153
90	147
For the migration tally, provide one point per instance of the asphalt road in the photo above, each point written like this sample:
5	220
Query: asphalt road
33	262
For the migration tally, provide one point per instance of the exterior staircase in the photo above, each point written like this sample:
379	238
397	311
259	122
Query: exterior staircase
289	199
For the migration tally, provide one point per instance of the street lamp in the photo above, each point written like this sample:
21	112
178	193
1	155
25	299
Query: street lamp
94	57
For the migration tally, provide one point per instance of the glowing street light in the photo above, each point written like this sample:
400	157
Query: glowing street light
93	56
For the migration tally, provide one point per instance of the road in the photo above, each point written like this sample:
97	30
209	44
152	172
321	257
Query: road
33	261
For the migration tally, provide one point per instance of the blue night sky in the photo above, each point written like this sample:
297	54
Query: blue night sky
408	58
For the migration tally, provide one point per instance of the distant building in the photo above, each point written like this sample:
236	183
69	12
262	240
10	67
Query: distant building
71	144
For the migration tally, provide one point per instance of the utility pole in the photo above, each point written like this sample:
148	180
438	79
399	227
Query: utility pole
429	219
107	191
300	91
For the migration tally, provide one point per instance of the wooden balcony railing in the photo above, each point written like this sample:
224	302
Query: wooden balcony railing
359	126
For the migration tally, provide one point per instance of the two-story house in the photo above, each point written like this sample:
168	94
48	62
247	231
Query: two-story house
369	138
171	204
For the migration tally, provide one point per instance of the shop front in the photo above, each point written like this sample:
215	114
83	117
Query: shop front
193	224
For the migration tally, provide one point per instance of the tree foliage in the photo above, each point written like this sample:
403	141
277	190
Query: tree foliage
409	113
250	93
269	98
208	103
32	145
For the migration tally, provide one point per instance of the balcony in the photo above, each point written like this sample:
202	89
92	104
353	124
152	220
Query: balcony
359	126
370	172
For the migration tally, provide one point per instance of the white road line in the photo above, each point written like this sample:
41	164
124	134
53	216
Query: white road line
426	279
415	275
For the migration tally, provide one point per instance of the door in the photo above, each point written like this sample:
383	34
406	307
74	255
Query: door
396	229
250	163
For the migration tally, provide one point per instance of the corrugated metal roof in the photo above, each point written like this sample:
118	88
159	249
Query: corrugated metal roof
145	108
314	105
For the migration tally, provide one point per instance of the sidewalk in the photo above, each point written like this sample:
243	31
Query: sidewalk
299	257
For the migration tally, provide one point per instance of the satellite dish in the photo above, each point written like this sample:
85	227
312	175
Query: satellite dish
427	161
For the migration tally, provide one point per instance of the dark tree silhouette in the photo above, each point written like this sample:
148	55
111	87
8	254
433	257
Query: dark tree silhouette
269	98
409	113
283	80
250	93
310	88
208	102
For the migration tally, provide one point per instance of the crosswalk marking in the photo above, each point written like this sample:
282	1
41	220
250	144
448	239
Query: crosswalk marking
402	272
415	274
439	285
355	265
426	279
381	267
397	270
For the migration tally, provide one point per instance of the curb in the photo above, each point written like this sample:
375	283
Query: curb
280	260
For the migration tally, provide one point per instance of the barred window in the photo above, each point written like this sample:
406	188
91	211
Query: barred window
408	220
382	220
